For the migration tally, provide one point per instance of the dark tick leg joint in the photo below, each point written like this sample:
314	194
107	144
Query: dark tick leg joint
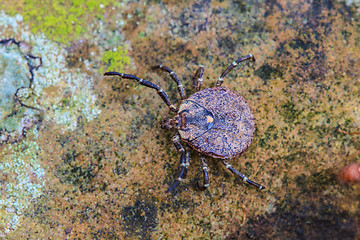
242	176
205	174
232	66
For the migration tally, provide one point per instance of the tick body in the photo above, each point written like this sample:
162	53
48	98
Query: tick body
216	122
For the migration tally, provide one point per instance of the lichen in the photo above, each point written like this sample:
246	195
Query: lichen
61	21
64	93
61	94
21	180
14	74
115	60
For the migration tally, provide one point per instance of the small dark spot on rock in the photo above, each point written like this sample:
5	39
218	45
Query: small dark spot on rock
266	72
68	230
140	219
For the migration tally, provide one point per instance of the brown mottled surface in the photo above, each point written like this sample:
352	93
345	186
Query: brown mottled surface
232	122
107	178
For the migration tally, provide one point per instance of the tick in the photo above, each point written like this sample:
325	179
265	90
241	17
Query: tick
217	122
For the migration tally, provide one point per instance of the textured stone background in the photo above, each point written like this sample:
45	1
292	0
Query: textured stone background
83	156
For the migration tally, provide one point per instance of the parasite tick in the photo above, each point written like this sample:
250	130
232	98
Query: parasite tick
216	122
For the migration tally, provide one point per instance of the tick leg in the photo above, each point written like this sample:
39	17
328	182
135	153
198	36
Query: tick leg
232	66
159	90
174	77
184	162
242	176
197	79
206	176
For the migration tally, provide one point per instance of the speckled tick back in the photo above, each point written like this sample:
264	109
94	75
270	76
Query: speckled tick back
218	122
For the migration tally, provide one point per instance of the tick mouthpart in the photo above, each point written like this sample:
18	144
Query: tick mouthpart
170	123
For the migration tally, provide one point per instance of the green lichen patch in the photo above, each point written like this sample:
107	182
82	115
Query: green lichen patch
115	60
61	21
